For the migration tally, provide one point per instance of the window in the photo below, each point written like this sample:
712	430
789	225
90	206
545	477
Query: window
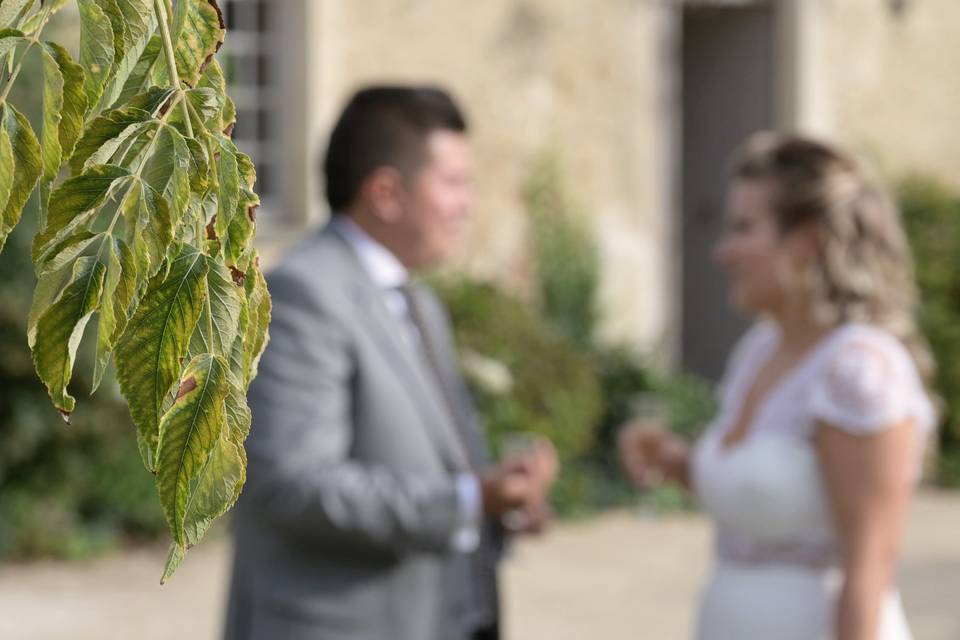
248	63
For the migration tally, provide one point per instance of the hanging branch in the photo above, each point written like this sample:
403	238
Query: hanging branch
150	236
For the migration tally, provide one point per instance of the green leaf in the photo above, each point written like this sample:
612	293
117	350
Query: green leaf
139	78
33	22
228	184
73	205
27	168
174	557
149	227
189	433
207	102
259	308
49	286
148	358
52	107
142	108
226	298
10	39
212	78
115	150
117	24
222	476
168	171
102	131
118	296
60	329
201	37
199	167
238	414
6	169
139	23
74	98
73	247
96	48
11	11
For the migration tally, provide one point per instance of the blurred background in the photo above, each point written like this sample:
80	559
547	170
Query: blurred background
601	131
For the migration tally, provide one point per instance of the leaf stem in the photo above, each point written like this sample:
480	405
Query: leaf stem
34	39
161	12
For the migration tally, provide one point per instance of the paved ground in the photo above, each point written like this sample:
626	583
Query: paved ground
617	577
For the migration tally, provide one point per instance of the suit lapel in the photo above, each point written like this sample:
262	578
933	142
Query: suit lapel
441	344
408	365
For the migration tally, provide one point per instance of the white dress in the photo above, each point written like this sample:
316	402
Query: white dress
776	574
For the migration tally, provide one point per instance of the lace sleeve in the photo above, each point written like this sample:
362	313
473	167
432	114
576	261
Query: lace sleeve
866	384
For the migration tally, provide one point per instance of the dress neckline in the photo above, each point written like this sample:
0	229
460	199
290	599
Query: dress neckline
744	382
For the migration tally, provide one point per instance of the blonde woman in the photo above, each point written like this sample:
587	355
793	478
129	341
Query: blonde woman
809	467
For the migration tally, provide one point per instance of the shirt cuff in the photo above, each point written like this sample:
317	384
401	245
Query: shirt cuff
466	535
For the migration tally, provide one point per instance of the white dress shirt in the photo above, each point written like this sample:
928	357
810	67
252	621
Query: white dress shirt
389	274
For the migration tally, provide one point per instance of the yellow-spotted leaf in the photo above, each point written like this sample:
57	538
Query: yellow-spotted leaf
6	169
139	77
60	328
28	165
107	132
139	26
226	298
168	170
111	9
149	227
149	356
96	48
73	206
174	557
10	39
120	288
221	478
53	277
11	11
201	36
259	308
74	103
189	432
228	184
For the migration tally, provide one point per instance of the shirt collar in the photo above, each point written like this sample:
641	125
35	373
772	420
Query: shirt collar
386	271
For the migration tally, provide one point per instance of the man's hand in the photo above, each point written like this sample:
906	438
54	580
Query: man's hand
516	491
505	488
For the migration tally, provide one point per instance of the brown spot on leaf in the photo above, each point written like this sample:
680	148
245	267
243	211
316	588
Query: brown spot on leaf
252	212
239	277
187	386
66	416
223	25
211	229
228	131
165	106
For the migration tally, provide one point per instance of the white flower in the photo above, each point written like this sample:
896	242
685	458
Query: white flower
491	375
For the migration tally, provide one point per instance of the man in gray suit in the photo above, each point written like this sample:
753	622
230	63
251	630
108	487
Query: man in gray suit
371	509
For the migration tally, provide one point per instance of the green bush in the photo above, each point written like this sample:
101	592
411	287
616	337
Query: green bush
65	490
550	387
931	213
565	252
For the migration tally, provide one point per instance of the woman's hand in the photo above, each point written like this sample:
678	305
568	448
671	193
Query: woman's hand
650	454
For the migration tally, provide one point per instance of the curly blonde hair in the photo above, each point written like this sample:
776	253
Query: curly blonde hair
865	269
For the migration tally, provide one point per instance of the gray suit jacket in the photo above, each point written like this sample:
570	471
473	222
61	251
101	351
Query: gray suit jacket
344	527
